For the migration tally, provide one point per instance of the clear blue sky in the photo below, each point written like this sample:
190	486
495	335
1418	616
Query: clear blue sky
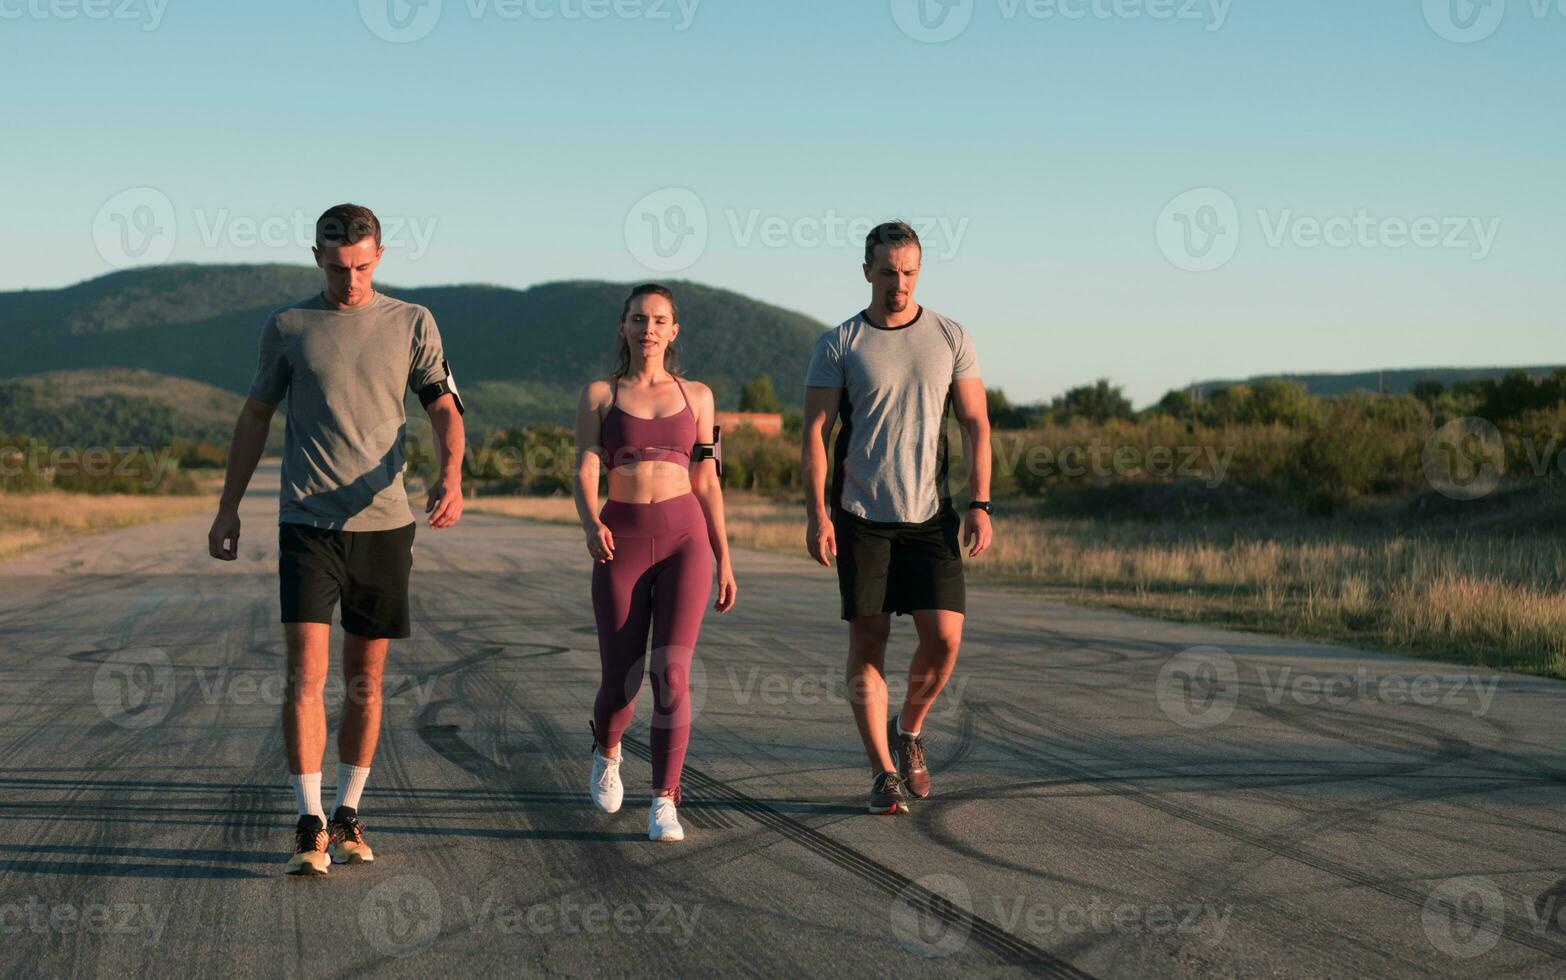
519	137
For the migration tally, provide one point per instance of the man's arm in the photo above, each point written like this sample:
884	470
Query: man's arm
244	452
971	405
445	500
820	537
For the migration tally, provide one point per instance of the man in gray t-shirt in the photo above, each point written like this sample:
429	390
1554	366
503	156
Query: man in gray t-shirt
890	375
890	466
344	371
342	360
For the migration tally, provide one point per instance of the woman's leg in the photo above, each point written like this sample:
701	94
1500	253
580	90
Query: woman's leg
622	606
680	594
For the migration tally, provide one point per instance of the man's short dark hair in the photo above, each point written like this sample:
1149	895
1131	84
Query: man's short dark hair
893	234
347	224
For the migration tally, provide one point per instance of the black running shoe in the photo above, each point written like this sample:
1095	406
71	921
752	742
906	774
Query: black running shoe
886	794
310	842
346	834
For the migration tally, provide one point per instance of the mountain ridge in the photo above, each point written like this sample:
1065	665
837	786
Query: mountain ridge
202	322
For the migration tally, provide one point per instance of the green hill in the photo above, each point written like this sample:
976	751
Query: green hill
117	406
1397	381
520	355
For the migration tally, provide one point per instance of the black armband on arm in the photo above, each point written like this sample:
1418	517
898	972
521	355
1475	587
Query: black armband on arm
710	450
446	386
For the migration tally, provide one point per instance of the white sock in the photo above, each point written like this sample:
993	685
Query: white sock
900	728
307	793
350	783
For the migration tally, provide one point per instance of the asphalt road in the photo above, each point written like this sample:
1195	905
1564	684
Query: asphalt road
1114	796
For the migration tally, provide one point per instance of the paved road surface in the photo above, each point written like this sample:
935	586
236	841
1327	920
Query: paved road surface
1114	796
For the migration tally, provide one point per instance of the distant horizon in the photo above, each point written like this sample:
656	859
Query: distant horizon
1013	397
1154	193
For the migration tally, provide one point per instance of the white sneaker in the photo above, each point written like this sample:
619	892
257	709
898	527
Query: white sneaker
662	821
605	785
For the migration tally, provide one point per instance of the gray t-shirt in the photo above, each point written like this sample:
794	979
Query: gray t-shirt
344	372
889	463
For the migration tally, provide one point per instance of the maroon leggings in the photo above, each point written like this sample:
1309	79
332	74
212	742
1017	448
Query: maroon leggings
660	576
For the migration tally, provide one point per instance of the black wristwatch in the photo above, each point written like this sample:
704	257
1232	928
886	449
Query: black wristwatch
983	505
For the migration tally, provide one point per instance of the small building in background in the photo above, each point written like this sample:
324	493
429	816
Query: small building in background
766	423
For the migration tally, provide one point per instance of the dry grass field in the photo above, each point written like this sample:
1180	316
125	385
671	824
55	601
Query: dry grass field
1476	597
30	521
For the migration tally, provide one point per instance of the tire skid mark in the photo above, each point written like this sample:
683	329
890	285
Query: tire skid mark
994	940
1289	850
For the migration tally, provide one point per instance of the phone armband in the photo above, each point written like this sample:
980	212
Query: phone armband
445	386
710	450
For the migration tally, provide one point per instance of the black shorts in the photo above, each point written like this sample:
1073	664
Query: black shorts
898	568
367	570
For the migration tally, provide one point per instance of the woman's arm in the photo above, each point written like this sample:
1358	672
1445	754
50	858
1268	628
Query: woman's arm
705	485
584	480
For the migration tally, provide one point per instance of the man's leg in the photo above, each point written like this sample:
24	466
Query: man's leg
377	568
940	636
364	664
866	678
304	709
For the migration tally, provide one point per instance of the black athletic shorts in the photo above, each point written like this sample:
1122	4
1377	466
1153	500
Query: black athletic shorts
366	570
897	568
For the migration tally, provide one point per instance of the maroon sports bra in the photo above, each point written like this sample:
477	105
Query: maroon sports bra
629	439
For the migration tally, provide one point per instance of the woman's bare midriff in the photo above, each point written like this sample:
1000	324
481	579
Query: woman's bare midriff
648	482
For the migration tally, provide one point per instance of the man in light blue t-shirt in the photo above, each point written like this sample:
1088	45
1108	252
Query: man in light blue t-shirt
890	374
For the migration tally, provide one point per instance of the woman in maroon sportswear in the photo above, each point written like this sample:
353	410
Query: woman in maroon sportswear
654	544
